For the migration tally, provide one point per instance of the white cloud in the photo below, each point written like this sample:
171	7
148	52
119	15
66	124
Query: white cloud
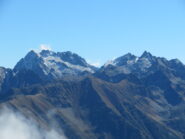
96	63
42	47
45	47
16	126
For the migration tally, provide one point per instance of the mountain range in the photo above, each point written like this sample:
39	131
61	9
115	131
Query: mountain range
128	97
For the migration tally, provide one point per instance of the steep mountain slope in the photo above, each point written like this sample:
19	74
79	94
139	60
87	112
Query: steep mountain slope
92	108
129	97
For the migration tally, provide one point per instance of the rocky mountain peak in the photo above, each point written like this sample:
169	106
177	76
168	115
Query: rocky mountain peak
73	58
146	54
125	59
46	53
54	64
32	55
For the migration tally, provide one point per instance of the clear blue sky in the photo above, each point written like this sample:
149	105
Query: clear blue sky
97	30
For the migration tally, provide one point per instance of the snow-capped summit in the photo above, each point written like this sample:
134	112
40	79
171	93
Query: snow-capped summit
72	58
122	60
54	65
130	63
146	61
45	53
142	66
126	59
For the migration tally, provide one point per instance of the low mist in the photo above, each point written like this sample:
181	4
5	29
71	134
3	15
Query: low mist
13	125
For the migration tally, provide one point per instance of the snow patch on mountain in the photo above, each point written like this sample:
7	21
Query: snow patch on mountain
130	63
54	64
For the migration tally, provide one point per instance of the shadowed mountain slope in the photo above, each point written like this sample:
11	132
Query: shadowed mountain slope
129	97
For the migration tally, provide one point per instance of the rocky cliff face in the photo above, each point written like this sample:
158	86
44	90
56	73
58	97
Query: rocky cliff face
51	65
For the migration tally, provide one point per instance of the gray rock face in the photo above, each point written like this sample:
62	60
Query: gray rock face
51	65
37	67
143	66
3	75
